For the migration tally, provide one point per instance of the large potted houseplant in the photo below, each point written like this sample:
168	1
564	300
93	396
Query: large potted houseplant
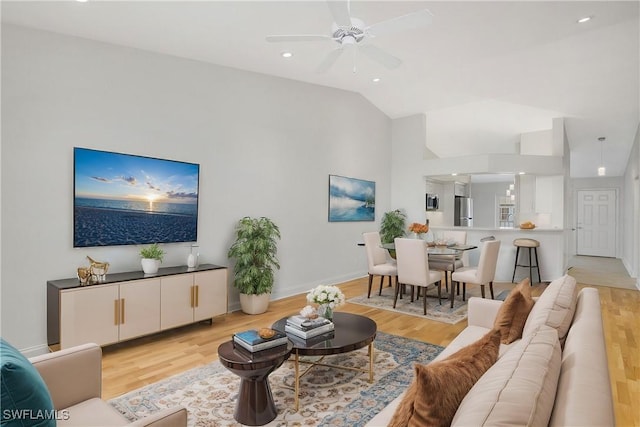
393	225
152	256
254	251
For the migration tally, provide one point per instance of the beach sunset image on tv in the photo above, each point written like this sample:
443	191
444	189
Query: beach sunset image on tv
122	199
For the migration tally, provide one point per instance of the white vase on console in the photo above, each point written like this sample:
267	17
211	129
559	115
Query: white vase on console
150	265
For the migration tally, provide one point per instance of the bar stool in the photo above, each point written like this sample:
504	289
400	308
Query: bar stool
527	244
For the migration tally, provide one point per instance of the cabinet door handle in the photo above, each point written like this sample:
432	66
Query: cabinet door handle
192	296
197	295
116	312
122	311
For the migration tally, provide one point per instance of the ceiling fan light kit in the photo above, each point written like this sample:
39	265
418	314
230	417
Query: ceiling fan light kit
350	31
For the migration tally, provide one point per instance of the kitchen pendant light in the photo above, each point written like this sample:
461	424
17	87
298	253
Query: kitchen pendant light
601	169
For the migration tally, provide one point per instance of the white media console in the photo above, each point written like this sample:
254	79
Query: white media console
132	304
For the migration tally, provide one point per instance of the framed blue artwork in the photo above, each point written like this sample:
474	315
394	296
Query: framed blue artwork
351	199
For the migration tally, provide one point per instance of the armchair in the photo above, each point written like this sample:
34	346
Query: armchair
74	379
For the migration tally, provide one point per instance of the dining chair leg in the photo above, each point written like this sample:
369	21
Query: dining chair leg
395	298
424	303
381	284
482	290
412	290
439	292
464	291
491	289
370	284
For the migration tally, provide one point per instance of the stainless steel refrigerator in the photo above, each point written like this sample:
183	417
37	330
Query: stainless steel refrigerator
463	212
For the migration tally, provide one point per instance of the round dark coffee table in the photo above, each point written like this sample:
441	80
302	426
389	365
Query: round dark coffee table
352	332
255	405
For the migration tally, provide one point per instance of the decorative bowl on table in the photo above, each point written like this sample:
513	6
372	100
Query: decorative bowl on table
527	225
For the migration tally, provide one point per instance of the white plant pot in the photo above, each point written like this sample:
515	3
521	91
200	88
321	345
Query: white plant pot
254	304
150	266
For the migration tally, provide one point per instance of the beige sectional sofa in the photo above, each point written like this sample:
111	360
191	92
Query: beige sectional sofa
556	374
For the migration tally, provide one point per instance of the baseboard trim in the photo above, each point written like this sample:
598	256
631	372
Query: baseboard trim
36	350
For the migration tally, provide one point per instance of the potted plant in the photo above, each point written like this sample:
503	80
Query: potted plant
393	225
255	250
152	256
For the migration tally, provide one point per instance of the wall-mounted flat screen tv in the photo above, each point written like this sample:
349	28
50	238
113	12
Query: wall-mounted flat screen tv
123	199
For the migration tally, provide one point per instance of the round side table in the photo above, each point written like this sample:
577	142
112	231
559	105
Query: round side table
255	406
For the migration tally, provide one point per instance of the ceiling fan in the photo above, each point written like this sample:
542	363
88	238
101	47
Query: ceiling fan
349	32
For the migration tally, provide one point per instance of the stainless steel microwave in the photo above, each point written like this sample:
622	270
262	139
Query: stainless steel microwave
432	202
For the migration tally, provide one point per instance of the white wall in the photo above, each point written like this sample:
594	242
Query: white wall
485	202
265	145
407	187
631	216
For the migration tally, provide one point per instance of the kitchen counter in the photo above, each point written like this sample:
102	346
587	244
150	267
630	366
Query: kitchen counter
551	252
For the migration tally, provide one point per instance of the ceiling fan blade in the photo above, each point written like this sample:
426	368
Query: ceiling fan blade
340	12
380	56
409	21
329	60
297	38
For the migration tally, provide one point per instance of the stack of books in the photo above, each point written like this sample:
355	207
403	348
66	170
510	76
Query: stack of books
305	328
252	341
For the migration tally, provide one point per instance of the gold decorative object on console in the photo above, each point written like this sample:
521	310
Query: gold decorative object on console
84	275
98	269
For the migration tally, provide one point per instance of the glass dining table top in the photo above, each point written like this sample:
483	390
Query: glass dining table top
437	250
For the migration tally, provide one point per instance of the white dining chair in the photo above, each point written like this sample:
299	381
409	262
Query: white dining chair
413	269
484	273
379	261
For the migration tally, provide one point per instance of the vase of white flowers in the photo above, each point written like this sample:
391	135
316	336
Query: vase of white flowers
328	299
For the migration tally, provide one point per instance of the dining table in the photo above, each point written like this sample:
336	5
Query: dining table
444	252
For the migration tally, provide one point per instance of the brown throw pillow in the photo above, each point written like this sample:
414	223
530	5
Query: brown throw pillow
441	386
513	313
404	411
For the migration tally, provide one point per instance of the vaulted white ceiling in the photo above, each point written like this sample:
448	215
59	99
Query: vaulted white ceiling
483	72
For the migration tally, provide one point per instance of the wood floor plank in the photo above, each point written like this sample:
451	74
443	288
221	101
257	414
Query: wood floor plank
134	364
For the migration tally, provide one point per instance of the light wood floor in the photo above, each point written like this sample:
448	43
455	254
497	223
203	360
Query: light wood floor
128	366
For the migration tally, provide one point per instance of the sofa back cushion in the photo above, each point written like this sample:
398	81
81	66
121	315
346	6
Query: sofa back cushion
25	397
513	312
439	387
554	308
584	395
519	389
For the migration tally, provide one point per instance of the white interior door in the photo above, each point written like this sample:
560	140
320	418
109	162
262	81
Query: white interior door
596	223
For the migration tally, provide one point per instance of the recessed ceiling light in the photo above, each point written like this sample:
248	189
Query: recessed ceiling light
376	79
454	174
584	19
286	54
521	173
81	1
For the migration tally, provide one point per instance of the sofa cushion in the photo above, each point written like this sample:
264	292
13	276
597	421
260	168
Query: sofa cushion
513	312
520	388
441	386
554	308
25	398
92	412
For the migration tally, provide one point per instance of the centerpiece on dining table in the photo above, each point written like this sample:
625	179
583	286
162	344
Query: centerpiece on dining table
328	299
419	229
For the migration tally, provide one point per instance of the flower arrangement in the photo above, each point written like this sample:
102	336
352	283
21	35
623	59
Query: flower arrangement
328	298
418	228
326	295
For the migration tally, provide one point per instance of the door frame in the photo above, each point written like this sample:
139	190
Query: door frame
616	190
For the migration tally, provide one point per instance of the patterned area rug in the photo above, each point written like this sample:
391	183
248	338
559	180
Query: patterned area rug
441	313
329	397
